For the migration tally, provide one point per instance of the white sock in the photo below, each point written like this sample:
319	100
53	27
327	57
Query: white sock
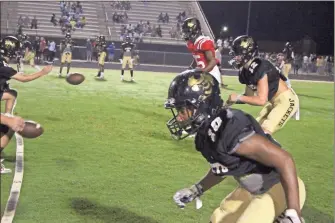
288	82
38	68
101	74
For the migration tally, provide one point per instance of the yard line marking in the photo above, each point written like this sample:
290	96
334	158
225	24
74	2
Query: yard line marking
14	195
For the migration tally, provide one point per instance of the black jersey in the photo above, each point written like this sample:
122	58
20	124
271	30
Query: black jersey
28	44
6	73
256	70
218	140
127	48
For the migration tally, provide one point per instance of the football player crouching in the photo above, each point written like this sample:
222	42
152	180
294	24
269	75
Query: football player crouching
8	125
234	144
8	48
264	86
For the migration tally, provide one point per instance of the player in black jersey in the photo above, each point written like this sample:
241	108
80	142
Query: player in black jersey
8	48
288	59
101	48
234	144
260	76
67	45
127	48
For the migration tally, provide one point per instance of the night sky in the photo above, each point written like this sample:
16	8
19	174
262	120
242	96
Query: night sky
280	21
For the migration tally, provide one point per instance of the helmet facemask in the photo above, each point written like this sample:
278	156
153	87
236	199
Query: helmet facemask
186	118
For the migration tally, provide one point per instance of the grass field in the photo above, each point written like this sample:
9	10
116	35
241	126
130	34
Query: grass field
106	154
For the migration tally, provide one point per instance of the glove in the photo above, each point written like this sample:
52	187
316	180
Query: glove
289	216
187	195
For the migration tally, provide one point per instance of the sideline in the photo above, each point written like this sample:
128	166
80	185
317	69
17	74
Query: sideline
14	195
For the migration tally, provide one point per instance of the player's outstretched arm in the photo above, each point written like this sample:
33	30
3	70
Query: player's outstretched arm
26	78
263	151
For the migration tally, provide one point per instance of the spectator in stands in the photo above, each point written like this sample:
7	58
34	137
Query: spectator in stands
161	17
166	18
83	22
20	21
154	31
320	65
89	50
26	21
305	64
53	19
159	31
110	50
34	23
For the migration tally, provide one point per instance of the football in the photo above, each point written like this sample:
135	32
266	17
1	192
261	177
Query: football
31	130
75	78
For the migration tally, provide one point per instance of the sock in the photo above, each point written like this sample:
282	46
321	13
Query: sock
68	68
101	74
288	82
38	68
60	69
131	73
122	72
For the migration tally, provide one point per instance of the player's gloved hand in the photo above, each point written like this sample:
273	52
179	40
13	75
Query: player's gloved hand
289	216
187	195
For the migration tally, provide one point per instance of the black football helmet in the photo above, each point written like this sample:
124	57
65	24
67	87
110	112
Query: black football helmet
9	46
244	48
198	95
127	39
191	29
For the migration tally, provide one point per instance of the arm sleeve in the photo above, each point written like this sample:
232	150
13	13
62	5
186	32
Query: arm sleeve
7	72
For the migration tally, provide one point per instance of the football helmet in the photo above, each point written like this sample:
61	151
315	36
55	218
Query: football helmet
9	46
244	48
191	29
127	39
193	98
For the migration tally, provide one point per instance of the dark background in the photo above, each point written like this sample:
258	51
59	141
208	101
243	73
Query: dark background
279	21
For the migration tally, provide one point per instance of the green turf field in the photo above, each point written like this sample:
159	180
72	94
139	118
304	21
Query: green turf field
106	154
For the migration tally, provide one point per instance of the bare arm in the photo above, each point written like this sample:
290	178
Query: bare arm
262	93
263	151
27	78
212	62
210	180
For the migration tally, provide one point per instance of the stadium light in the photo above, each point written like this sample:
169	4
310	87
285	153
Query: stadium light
225	29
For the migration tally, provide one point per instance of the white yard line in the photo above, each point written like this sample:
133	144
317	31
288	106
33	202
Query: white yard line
14	195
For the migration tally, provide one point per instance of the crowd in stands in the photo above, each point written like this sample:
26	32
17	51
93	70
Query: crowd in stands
322	65
121	5
71	18
26	23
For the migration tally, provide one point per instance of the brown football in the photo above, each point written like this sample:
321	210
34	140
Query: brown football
31	130
75	78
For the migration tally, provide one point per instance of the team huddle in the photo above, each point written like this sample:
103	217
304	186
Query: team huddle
233	142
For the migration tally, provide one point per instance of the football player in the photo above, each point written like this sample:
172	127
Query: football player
288	58
260	76
234	144
202	48
102	52
8	125
127	48
29	53
8	48
66	50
